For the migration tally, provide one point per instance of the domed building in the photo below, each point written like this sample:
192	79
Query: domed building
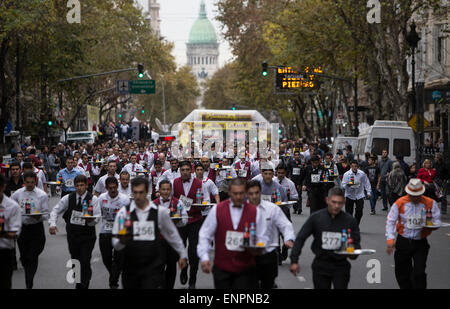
202	47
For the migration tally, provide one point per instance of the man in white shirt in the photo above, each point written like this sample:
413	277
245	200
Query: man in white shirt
124	184
170	174
10	226
33	201
110	203
29	167
354	182
143	256
234	266
80	229
133	167
267	264
100	186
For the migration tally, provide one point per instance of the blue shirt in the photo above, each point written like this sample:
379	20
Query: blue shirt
68	179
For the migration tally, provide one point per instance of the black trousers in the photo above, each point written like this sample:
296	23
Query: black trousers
243	280
267	269
326	273
31	244
80	248
6	269
350	206
142	277
112	259
190	232
317	200
410	262
170	272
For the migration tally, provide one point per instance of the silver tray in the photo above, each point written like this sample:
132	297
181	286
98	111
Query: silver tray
357	252
202	205
35	215
88	217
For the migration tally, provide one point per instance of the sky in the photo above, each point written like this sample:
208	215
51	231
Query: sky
177	18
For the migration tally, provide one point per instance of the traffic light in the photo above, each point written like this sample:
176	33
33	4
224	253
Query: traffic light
143	110
264	69
50	123
120	115
141	70
234	107
320	114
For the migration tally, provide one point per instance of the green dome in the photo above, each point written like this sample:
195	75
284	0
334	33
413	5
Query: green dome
202	32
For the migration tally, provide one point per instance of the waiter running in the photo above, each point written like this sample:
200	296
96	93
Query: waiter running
326	226
143	248
80	230
409	216
234	266
276	220
32	200
110	203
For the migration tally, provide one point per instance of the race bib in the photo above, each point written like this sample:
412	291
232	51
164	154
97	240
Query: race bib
187	202
142	162
315	178
108	226
296	171
356	185
267	198
69	183
145	230
133	174
76	219
331	240
414	221
243	173
234	241
87	174
205	211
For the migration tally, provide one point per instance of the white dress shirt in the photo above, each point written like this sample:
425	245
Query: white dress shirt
132	169
100	186
165	225
168	175
356	191
36	196
108	207
287	183
208	230
126	191
41	176
276	222
63	205
13	220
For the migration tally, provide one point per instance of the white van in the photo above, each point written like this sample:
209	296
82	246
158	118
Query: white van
396	136
82	136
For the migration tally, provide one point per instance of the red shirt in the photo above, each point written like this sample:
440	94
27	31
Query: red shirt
426	176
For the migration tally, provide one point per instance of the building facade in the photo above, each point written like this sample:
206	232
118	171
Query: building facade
203	47
155	20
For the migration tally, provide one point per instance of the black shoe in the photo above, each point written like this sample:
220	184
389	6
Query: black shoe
275	286
385	209
183	276
372	212
114	286
191	286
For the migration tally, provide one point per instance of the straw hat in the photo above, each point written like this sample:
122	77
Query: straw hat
415	187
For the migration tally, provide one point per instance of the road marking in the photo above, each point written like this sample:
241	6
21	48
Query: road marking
301	279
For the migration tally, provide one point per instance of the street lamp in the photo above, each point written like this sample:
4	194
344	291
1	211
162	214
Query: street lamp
413	39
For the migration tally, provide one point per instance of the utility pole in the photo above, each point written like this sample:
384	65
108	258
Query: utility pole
163	101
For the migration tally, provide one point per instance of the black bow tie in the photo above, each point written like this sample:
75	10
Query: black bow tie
165	201
186	181
237	206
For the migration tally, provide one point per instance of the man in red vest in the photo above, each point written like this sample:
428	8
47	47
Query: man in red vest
243	169
226	224
212	173
185	189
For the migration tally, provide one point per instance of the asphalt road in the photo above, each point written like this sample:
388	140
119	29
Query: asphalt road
52	269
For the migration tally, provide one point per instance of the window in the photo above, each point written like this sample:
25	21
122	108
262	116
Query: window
402	147
378	144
